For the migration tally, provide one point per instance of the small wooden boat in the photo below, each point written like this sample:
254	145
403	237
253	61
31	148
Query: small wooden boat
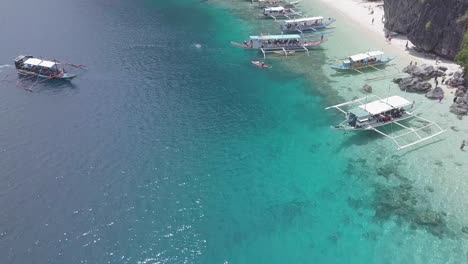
260	64
48	69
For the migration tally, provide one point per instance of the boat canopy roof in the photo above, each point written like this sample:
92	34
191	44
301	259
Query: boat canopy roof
305	19
363	56
272	37
39	62
275	8
381	106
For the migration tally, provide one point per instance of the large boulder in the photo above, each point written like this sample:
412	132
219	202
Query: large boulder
414	85
442	68
436	93
459	109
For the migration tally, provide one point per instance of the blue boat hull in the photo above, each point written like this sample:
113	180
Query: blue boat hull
343	68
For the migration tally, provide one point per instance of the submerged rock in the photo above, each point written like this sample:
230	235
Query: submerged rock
367	88
397	80
428	218
465	229
436	93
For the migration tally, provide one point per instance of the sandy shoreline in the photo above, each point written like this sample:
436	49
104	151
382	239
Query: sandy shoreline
370	17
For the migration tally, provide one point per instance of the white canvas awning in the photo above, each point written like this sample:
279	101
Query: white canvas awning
274	9
305	19
384	105
358	57
375	53
39	62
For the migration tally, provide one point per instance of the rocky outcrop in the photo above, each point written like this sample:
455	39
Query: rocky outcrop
432	25
456	80
460	102
367	88
414	85
424	71
437	93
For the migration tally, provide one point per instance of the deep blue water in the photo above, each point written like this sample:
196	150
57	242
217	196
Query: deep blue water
171	147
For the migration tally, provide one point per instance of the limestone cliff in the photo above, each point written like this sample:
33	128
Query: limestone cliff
434	26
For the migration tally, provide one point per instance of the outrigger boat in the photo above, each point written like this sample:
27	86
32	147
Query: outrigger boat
34	67
280	12
306	24
273	3
363	60
361	115
275	43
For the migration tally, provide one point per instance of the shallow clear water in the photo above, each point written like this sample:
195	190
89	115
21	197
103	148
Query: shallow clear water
173	148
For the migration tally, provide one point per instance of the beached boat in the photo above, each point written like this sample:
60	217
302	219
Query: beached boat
273	3
306	24
363	60
280	12
48	69
274	43
362	114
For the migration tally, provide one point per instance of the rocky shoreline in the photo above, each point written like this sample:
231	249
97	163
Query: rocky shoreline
419	79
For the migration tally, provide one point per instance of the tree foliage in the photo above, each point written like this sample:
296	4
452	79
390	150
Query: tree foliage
462	57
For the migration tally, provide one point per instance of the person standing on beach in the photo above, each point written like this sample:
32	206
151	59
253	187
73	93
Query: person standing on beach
372	21
462	145
406	46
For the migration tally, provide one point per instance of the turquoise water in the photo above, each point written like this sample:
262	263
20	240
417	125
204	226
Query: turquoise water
173	148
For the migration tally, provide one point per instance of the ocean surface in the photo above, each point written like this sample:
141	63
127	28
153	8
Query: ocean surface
173	148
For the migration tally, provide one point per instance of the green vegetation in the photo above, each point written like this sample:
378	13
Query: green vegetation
462	57
428	25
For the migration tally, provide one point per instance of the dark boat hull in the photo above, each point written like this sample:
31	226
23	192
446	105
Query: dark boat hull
64	77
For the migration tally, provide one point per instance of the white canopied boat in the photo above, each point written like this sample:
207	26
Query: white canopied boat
273	3
369	59
281	43
306	24
280	12
361	115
